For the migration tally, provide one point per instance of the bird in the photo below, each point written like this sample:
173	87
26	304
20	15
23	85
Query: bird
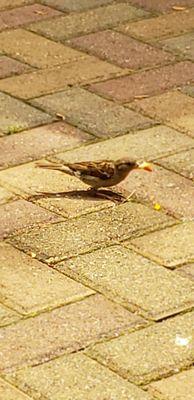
98	174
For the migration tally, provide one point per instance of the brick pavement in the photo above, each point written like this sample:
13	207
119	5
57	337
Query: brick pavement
96	299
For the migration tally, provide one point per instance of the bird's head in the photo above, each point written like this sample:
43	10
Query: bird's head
128	165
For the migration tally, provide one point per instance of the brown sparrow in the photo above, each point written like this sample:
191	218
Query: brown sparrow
98	174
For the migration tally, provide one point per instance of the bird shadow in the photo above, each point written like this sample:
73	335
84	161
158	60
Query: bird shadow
82	194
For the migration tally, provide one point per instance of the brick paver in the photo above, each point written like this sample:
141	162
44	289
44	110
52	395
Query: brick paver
8	392
156	245
17	116
187	270
181	385
112	270
92	113
146	83
180	116
5	195
6	4
66	329
19	214
151	353
25	15
7	316
9	67
163	5
89	232
174	193
158	27
65	27
80	81
147	145
49	80
116	48
77	377
68	5
183	45
182	163
36	50
38	142
29	286
28	180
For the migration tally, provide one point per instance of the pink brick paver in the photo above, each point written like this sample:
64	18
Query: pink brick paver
96	296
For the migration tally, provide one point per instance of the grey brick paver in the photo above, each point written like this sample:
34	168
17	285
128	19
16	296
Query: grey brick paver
17	116
69	26
56	242
162	26
92	113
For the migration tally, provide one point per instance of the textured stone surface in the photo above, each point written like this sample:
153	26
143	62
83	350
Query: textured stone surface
8	67
19	214
13	3
56	242
90	21
152	353
121	50
29	286
179	386
133	281
25	15
73	199
36	50
182	163
174	193
147	82
7	316
156	245
144	145
162	5
58	78
9	392
175	108
5	195
183	45
187	270
189	90
38	142
162	26
17	116
92	113
64	330
75	376
69	5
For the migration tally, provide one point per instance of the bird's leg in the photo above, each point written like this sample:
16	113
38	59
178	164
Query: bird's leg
113	196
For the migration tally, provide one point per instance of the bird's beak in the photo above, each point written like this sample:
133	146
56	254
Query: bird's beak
145	166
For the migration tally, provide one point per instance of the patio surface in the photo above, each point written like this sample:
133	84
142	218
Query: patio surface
96	298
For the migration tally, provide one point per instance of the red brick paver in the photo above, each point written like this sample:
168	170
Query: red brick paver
25	15
146	83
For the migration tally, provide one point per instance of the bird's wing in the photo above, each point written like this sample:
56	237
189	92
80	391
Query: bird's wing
100	169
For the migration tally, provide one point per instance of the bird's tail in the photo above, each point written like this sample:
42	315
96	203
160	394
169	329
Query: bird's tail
55	166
